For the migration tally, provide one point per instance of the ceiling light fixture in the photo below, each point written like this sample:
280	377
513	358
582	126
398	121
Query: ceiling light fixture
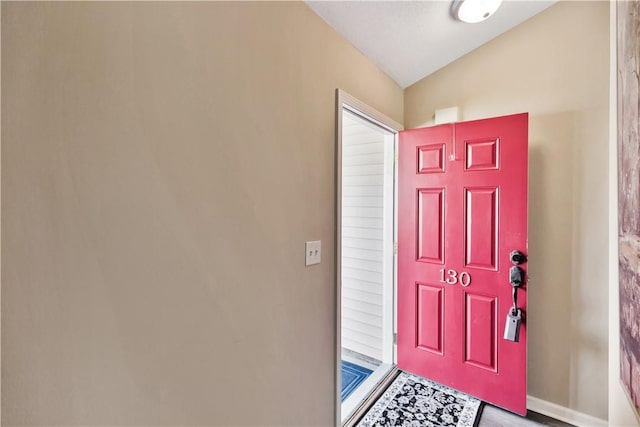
472	11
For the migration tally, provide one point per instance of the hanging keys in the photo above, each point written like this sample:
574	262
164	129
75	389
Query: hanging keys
512	327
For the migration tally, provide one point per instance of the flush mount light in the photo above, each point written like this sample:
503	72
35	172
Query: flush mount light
473	11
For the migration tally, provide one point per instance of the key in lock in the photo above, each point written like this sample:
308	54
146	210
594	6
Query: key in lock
512	327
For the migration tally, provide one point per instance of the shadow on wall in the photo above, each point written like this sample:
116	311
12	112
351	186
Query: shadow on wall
562	331
549	274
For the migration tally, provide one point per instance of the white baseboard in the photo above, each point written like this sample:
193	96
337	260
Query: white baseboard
563	414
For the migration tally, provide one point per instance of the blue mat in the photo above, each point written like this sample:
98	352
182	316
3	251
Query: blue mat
352	376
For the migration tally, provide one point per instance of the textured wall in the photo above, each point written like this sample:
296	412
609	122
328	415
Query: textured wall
621	411
162	166
628	25
556	67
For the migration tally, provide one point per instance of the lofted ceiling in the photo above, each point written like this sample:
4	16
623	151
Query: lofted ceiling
411	39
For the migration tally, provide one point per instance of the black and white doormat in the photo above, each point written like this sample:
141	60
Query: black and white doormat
414	401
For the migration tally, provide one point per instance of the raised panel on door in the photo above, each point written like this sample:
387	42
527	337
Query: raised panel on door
430	158
430	227
429	317
481	227
480	331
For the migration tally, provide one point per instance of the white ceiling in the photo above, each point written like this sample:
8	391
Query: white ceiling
411	39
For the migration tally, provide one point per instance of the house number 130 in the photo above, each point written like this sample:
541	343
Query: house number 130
452	277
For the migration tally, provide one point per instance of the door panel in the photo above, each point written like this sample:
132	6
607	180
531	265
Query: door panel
462	200
481	227
430	235
480	331
430	324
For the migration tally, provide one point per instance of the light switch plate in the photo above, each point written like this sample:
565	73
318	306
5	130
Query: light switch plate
312	252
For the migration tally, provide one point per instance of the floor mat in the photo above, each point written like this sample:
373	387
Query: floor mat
352	376
414	401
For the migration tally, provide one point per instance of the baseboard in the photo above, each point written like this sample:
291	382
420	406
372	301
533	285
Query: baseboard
563	414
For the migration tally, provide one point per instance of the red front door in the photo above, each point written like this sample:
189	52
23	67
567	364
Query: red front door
462	196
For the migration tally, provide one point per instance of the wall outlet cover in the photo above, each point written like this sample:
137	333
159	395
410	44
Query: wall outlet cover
312	252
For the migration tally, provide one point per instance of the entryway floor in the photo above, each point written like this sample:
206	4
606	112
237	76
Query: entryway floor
490	416
496	417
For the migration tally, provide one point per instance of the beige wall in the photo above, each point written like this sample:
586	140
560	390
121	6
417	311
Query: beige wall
556	67
162	166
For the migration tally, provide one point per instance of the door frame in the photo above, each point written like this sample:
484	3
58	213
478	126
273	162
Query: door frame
345	101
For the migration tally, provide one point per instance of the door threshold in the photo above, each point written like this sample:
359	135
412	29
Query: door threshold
358	407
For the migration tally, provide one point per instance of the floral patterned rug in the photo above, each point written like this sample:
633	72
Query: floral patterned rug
413	401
